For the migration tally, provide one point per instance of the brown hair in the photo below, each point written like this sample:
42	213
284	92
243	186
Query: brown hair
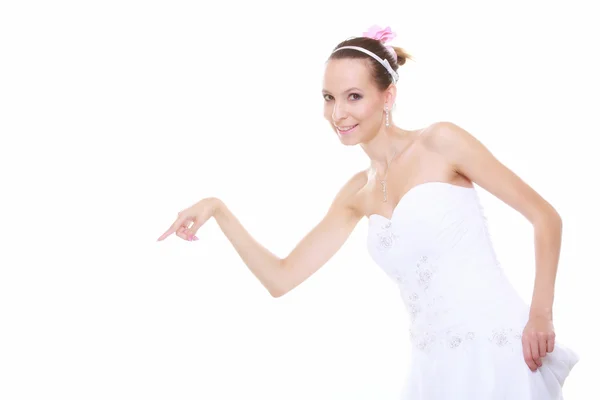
380	75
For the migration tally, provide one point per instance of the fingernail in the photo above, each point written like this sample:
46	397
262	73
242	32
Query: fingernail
194	237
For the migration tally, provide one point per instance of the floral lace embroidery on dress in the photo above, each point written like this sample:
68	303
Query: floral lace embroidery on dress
386	237
451	339
466	319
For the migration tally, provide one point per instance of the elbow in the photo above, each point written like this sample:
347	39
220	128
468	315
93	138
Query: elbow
278	290
559	221
554	217
549	219
277	287
547	215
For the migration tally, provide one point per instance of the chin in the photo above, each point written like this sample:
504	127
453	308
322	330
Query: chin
350	140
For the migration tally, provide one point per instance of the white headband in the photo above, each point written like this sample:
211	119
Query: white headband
383	62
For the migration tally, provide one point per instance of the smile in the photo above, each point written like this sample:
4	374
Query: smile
346	130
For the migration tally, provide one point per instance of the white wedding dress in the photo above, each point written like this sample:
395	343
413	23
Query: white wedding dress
466	317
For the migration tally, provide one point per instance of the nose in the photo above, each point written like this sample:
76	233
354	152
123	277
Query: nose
339	113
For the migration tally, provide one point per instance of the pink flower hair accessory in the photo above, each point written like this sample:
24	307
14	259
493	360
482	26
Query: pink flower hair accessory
384	35
381	34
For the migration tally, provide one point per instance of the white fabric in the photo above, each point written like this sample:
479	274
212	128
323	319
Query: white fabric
466	317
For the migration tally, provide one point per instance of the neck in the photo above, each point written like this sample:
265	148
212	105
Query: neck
382	146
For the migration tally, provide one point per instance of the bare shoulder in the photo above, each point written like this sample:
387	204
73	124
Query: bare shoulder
347	198
469	157
430	136
443	137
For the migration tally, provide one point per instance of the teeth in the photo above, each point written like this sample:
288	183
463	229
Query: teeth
346	129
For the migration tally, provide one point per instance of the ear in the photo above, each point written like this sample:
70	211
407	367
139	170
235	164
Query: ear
390	96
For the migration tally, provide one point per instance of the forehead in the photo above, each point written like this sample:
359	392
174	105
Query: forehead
344	73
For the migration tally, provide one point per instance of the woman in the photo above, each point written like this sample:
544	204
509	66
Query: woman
473	336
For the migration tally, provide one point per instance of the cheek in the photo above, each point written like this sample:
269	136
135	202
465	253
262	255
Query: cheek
365	112
327	111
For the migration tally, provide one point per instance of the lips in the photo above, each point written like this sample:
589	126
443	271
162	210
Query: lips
347	129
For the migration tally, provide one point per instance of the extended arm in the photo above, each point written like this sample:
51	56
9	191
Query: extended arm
278	275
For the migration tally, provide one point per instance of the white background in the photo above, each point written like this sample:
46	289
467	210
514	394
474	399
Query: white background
115	115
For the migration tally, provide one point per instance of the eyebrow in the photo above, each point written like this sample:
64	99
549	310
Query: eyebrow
345	91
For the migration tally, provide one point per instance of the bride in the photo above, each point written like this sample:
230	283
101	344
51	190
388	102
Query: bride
473	337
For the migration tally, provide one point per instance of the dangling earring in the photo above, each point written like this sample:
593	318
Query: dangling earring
387	117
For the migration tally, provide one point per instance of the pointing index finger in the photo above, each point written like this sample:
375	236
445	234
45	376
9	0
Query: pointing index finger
172	229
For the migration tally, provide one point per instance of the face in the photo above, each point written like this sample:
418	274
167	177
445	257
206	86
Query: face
351	100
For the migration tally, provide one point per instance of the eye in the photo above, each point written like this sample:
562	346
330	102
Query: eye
353	96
